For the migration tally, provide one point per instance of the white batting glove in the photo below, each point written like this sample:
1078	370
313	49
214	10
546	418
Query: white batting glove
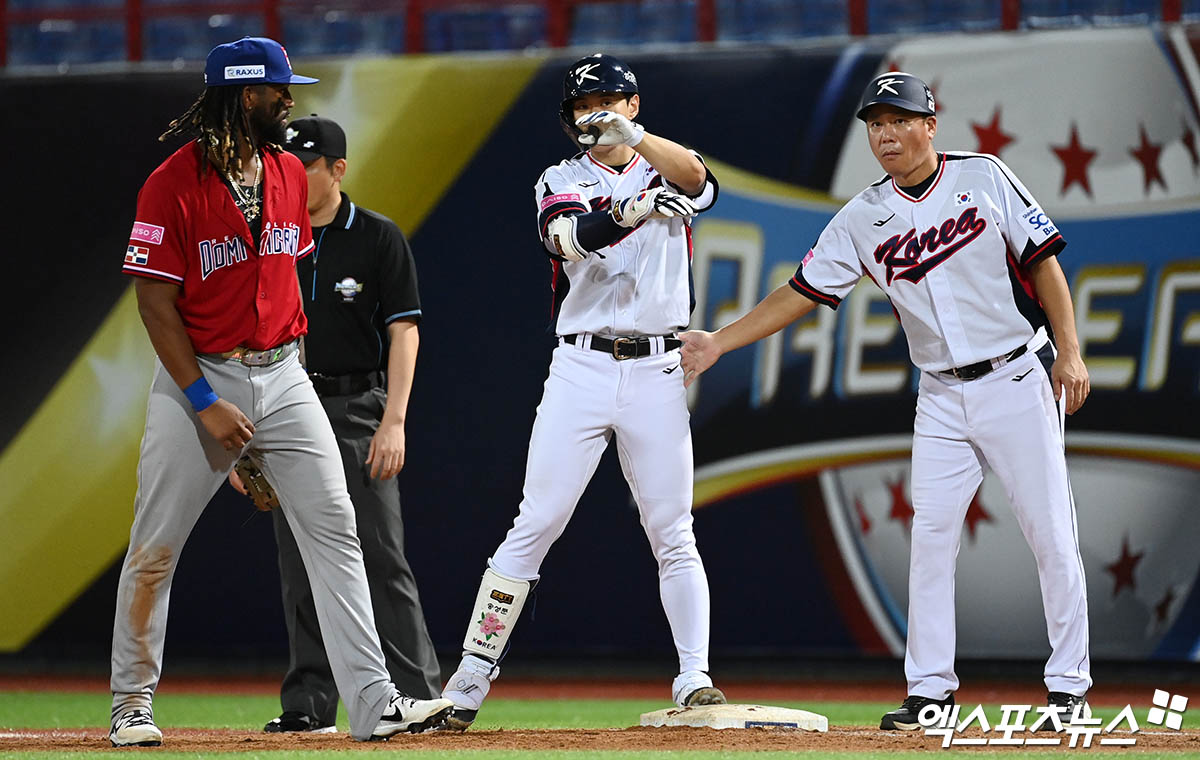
657	203
668	204
608	128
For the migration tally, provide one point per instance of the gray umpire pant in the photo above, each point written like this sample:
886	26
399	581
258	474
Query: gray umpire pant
180	468
408	650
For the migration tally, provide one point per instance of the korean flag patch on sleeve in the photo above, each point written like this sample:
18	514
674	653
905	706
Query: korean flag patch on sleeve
135	254
963	197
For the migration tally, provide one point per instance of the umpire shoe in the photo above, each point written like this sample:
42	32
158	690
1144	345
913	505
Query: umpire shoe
1069	707
296	722
135	728
905	717
415	716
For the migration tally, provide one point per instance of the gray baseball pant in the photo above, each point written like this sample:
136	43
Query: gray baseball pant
408	651
180	468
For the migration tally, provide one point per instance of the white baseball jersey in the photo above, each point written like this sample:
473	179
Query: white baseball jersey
639	285
953	262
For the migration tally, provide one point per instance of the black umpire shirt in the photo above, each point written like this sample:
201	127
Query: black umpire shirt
359	278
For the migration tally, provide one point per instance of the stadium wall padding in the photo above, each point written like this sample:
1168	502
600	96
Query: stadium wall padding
801	441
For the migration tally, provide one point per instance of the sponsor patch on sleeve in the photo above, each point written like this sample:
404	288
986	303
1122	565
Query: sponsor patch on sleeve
147	233
807	258
551	200
1039	226
135	254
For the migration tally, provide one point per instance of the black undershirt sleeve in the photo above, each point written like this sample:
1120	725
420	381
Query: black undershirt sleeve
596	229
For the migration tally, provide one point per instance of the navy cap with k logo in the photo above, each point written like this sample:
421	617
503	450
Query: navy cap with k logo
250	60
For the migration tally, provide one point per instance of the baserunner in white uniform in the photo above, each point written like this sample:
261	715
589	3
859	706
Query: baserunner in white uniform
968	259
615	220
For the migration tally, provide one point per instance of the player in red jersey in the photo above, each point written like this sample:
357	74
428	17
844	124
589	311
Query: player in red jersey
219	227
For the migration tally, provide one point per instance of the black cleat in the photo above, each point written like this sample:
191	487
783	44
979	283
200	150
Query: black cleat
905	717
709	695
460	719
296	722
1070	708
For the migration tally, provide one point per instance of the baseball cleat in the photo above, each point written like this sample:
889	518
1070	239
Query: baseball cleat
1070	709
296	722
708	695
694	688
414	716
460	719
135	728
467	689
905	717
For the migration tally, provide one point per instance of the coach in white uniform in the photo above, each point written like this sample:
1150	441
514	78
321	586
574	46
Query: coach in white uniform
615	220
968	259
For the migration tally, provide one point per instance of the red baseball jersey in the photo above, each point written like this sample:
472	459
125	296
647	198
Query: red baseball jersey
190	232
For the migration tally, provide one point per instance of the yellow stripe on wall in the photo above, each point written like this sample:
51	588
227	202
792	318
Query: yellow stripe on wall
412	124
69	477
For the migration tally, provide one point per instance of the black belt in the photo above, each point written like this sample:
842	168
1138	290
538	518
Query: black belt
627	348
345	385
979	369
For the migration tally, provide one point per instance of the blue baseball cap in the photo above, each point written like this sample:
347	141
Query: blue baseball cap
250	60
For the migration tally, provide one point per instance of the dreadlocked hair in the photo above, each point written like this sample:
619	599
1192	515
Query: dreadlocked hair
219	122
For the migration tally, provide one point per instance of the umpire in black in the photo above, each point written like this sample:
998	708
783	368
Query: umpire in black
360	294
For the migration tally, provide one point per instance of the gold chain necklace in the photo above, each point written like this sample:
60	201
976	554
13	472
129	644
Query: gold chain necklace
247	201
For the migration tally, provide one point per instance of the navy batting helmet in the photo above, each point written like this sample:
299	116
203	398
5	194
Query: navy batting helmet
895	88
593	73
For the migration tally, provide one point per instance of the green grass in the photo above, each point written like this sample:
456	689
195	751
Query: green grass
249	713
45	710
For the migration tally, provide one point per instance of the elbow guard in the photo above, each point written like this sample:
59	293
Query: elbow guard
560	239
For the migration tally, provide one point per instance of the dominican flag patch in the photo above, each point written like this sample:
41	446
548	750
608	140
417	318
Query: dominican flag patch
963	197
136	254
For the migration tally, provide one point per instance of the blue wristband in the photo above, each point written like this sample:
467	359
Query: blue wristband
200	393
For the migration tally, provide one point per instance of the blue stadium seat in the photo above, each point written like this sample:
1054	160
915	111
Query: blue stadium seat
887	16
54	42
1043	13
666	21
779	19
634	22
190	38
506	27
604	23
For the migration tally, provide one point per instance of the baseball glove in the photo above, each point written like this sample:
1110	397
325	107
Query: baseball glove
258	488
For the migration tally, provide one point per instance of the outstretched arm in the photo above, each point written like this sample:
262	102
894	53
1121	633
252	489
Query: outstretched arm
778	310
1069	374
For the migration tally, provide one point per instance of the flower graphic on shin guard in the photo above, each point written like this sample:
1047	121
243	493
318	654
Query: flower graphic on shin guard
490	625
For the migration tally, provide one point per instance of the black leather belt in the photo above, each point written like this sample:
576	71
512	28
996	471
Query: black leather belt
627	348
979	369
345	385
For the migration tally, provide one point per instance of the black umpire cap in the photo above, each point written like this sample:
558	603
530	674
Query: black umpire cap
896	88
315	136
